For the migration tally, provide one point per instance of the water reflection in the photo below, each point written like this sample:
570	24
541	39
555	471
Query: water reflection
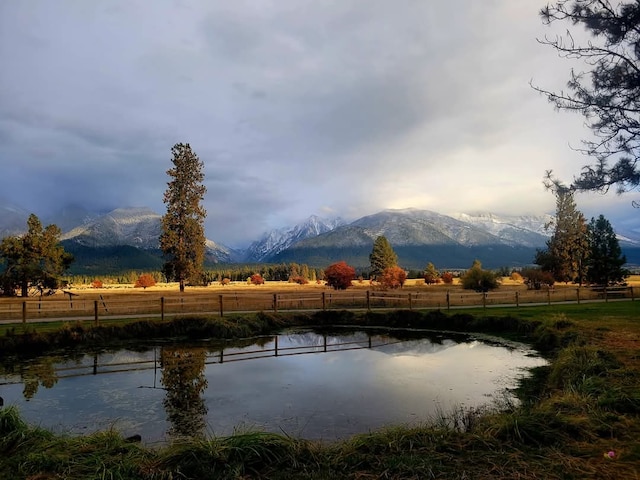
324	385
184	381
36	374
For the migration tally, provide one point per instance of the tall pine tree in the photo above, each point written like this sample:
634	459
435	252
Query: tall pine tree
605	259
568	248
182	240
382	256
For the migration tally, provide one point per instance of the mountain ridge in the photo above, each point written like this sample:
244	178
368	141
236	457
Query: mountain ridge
417	235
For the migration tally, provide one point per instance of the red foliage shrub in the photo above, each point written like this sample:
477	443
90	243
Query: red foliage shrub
393	277
225	281
96	284
339	275
256	279
537	279
145	280
447	277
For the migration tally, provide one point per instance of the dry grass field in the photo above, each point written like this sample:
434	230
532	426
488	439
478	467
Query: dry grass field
82	302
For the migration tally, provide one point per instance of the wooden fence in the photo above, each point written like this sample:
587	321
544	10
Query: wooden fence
77	307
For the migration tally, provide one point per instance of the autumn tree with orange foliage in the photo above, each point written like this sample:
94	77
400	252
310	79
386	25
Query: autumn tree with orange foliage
339	275
256	279
145	280
447	277
393	277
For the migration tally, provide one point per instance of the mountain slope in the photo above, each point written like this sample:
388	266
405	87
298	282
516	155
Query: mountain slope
276	241
418	237
13	219
130	227
138	227
518	230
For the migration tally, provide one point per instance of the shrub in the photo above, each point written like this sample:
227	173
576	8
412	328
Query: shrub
478	279
299	279
516	277
447	277
393	277
256	279
339	275
145	280
225	281
96	284
536	278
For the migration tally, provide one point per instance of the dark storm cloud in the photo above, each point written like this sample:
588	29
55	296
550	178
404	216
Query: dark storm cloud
295	107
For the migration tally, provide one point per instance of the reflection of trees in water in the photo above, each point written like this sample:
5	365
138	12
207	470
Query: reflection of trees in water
183	377
35	374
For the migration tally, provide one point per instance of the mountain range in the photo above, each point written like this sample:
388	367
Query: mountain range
127	239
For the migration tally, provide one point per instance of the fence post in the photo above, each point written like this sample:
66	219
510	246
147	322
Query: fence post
324	301
275	304
578	295
162	309
220	304
448	301
276	343
410	305
549	295
517	299
24	311
632	297
368	300
606	297
484	299
95	312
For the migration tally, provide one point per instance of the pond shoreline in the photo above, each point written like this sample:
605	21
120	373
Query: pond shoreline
555	433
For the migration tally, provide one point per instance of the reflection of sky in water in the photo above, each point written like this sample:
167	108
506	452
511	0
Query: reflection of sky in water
326	395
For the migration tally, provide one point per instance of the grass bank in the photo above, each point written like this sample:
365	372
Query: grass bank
583	405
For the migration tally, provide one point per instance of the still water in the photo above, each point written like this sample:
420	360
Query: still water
306	384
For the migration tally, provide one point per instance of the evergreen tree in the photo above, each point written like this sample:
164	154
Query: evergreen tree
35	258
182	240
382	256
431	274
607	94
605	259
568	248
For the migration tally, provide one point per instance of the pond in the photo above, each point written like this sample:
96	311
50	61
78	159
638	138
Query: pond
308	384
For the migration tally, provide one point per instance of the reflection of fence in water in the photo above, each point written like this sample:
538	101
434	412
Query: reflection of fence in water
218	357
160	306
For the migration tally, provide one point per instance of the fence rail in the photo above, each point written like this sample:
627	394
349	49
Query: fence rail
77	307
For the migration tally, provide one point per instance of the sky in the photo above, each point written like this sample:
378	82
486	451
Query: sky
295	107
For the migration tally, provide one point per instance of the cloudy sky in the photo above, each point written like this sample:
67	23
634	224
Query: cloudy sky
296	107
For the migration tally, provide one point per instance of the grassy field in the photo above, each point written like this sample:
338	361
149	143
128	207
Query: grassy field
579	417
125	301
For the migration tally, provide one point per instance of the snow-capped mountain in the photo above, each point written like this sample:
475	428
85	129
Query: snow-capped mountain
278	240
525	230
417	236
420	236
138	227
13	219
